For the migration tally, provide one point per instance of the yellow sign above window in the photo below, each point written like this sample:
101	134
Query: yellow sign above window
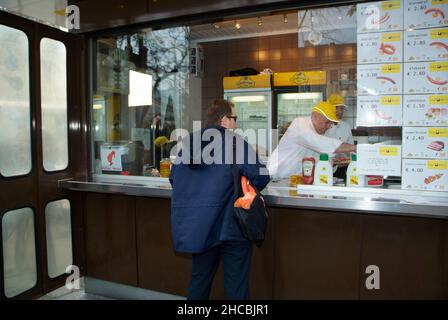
301	78
260	81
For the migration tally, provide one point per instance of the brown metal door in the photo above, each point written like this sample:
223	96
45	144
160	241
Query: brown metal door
41	225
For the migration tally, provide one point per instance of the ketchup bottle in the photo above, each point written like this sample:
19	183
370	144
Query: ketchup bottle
308	165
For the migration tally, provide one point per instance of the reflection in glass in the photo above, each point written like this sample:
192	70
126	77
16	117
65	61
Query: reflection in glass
19	251
15	129
53	65
122	124
59	237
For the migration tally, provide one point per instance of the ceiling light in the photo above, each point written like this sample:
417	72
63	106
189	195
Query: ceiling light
237	25
340	18
285	18
216	25
260	22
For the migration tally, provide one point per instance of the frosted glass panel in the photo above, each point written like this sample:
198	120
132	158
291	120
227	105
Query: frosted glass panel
53	63
15	129
59	237
19	251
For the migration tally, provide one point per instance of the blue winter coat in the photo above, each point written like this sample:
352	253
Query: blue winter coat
202	199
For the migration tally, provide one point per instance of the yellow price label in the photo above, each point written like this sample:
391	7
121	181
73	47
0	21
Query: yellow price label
391	100
323	179
438	132
390	68
437	2
439	34
437	164
391	5
389	151
439	99
438	66
391	37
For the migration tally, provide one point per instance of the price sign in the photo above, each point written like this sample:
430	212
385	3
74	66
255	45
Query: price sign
379	160
419	14
424	175
379	16
425	110
380	47
426	77
382	111
379	79
421	142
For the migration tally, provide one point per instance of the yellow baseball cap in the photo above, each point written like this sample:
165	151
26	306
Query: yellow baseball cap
327	109
337	99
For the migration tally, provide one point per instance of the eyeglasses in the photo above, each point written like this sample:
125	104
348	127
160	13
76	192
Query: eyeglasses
233	117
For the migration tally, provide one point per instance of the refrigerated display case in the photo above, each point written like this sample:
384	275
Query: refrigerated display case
294	95
252	97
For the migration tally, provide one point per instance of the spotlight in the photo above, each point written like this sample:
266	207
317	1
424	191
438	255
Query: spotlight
216	26
237	25
260	22
285	18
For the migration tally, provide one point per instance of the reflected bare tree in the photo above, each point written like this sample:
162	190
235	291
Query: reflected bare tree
167	54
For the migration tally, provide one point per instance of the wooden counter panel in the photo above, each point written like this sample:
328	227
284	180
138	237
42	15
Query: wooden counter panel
411	254
316	255
159	268
110	238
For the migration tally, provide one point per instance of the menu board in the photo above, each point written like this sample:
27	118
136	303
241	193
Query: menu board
403	81
426	77
378	160
379	111
377	79
426	45
380	47
425	142
379	16
425	110
419	174
425	14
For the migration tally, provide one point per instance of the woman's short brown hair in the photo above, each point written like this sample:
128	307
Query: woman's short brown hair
217	110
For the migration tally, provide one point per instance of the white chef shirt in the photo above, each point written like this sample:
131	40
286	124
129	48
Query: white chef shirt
299	141
341	131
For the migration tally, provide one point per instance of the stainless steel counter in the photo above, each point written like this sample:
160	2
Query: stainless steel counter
279	194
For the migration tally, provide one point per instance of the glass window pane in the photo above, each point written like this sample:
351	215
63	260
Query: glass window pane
53	64
15	129
132	136
59	237
19	251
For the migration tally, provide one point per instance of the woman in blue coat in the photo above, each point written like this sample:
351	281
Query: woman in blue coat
202	216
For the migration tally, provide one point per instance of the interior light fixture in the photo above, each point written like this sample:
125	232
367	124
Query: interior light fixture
260	22
248	99
285	18
340	18
216	26
237	25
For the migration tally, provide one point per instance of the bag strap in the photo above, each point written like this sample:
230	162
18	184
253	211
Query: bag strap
235	172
